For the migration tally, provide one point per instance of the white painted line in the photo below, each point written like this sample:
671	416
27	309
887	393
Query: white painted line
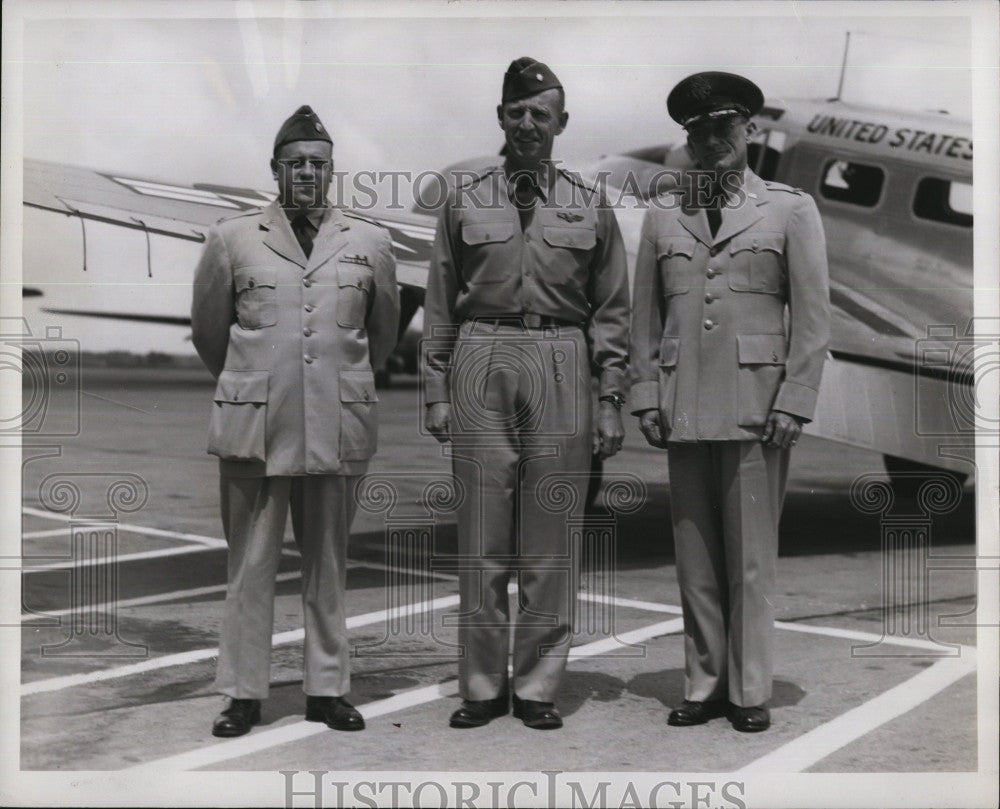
28	566
214	542
257	741
266	739
52	532
868	637
649	606
197	655
142	601
817	744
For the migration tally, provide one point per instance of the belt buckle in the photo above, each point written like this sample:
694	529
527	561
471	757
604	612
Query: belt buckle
532	321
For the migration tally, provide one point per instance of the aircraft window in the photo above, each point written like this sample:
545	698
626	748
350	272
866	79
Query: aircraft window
764	152
944	201
856	183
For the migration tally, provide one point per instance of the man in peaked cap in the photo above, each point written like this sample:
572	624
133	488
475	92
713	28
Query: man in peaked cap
527	292
731	319
294	305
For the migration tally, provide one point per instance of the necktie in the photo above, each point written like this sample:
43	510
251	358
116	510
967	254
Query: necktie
714	219
525	196
303	230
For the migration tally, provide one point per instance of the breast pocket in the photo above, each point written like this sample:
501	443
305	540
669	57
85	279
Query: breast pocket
675	257
570	250
484	260
758	263
256	297
354	287
761	369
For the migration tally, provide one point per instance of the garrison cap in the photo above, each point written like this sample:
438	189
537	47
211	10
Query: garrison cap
303	124
526	77
712	94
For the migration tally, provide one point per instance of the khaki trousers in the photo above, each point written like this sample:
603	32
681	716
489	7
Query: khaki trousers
521	430
254	510
725	498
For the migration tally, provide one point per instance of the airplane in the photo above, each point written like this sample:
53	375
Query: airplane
894	190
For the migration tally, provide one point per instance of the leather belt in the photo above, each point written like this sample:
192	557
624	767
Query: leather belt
527	320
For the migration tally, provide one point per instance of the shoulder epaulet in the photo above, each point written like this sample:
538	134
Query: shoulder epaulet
477	176
360	218
578	181
240	215
771	185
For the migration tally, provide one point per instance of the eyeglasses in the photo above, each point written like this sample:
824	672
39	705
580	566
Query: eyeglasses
719	129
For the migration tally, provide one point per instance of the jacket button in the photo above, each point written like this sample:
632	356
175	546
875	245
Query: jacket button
307	331
251	283
713	251
709	325
712	272
308	359
306	282
709	297
236	396
308	307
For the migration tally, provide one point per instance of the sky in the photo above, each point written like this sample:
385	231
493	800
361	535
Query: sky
196	93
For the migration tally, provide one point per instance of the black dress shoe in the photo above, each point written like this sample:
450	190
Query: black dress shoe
337	712
475	713
749	720
537	715
238	718
690	712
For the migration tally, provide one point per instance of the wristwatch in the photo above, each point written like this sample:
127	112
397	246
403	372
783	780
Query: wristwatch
616	399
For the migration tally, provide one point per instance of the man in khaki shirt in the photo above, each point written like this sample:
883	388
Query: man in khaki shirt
527	293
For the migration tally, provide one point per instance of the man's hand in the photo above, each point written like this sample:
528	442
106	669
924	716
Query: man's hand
610	432
437	421
649	423
782	430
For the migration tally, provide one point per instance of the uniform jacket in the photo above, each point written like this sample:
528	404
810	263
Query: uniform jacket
569	263
726	329
293	341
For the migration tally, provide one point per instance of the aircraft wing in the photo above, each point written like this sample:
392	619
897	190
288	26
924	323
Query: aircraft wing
187	211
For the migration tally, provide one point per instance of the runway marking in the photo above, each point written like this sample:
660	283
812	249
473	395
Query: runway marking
817	744
198	655
649	606
871	637
133	529
27	566
257	741
51	532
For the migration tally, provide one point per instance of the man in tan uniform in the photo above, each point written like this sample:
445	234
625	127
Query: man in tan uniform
731	319
527	292
294	305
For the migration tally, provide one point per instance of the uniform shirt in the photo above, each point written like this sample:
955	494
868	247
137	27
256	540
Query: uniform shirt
730	326
293	340
568	263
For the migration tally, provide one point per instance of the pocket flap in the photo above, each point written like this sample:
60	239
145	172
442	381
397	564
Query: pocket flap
669	348
353	275
486	232
575	238
252	277
758	242
762	349
239	387
670	246
357	386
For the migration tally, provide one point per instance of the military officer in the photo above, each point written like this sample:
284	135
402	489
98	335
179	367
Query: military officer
731	319
294	305
527	292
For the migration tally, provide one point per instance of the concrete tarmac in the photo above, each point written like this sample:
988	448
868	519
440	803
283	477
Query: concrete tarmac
875	652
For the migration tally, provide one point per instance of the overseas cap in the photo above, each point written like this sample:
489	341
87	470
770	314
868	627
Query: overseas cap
303	124
526	77
713	94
